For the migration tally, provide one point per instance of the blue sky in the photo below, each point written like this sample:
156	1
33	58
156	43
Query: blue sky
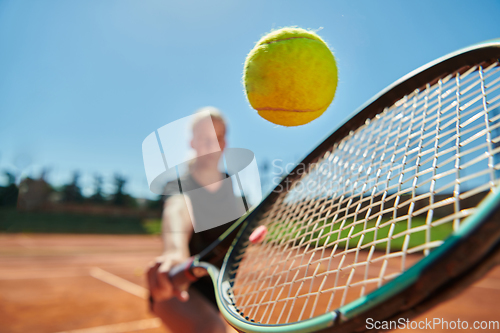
82	83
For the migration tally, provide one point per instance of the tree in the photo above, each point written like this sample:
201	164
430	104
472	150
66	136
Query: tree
156	204
98	196
9	193
119	195
72	192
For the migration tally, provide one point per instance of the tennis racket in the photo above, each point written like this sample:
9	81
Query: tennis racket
395	211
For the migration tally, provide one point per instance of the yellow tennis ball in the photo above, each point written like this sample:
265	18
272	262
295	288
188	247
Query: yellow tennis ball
290	76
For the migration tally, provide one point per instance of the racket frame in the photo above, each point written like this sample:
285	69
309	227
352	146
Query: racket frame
353	315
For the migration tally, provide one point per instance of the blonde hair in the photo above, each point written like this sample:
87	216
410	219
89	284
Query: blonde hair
213	112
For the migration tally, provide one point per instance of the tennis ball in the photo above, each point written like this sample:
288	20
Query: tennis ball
290	76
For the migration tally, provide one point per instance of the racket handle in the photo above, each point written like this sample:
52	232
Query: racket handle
185	273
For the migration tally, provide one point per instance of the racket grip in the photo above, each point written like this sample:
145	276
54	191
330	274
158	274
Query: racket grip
185	273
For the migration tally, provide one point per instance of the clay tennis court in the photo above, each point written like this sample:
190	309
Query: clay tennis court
94	284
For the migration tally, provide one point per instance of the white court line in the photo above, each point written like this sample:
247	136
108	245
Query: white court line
39	275
120	283
488	283
122	327
129	287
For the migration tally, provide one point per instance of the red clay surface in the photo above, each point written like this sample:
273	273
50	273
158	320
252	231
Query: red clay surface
46	286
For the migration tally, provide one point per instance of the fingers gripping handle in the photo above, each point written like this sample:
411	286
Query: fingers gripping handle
182	275
185	273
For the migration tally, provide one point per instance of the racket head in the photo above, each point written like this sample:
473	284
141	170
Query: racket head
418	278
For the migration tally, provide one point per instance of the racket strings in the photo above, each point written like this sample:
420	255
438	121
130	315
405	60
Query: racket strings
376	202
